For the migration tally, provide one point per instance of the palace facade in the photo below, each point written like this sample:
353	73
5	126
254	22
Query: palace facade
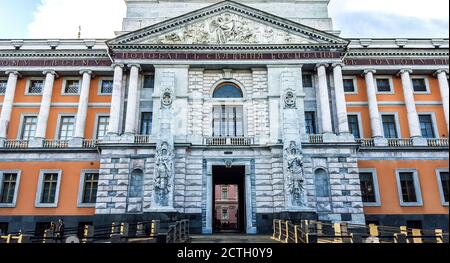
265	97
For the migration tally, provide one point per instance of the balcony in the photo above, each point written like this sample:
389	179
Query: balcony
366	142
400	142
441	142
55	144
234	141
90	143
315	138
143	139
16	144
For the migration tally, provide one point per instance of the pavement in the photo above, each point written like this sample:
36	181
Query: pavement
232	238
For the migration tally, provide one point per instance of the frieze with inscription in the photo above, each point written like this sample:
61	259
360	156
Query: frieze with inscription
55	63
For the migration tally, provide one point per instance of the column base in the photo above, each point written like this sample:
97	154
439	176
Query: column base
346	137
76	143
111	138
330	137
380	141
420	141
36	143
127	137
2	142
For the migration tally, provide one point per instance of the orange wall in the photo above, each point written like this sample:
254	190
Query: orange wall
68	195
387	182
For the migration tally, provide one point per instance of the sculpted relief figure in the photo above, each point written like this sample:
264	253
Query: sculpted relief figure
163	172
296	177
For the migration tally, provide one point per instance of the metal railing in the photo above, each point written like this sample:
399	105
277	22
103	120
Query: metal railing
16	144
366	142
400	142
55	144
441	142
236	141
142	139
315	138
90	143
311	231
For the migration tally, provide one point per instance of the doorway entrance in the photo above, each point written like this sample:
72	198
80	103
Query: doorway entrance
229	211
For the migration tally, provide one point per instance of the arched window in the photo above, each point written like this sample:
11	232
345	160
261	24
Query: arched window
227	91
321	183
137	183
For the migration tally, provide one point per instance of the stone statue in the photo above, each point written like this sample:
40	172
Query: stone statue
163	171
295	174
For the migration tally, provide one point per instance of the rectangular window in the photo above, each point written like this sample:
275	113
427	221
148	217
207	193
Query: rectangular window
224	192
408	187
443	180
72	87
49	185
28	127
90	188
349	85
8	188
353	125
307	81
426	126
106	87
225	214
310	122
3	84
383	85
36	87
389	126
146	123
419	85
149	82
102	126
228	121
66	127
368	190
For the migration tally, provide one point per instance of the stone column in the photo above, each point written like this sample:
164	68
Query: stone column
132	103
80	125
8	104
443	86
44	111
324	100
375	119
341	105
116	101
408	93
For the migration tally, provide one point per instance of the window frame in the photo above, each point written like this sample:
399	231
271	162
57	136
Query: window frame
37	201
391	84
154	81
433	122
100	83
80	203
417	187
16	189
355	84
441	191
316	125
6	81
312	80
360	123
141	122
28	85
59	122
397	124
96	124
427	84
372	171
64	83
22	122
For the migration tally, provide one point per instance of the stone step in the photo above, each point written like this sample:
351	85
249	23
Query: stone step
231	238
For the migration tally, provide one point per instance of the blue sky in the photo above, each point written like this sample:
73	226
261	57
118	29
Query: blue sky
355	18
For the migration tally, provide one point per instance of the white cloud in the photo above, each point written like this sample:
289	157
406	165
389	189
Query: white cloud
61	18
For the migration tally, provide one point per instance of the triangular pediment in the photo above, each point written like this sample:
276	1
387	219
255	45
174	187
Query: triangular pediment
227	23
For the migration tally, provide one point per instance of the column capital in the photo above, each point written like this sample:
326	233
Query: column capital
14	72
318	65
46	72
439	71
367	71
86	71
115	65
405	70
340	64
135	65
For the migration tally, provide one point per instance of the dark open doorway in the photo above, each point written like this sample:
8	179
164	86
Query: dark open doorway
229	199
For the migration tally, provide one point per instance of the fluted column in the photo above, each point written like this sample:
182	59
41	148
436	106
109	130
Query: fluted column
443	86
408	93
132	103
5	116
375	120
341	105
80	125
116	101
44	111
324	99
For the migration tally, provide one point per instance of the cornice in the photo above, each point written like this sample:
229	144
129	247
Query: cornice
397	52
54	54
